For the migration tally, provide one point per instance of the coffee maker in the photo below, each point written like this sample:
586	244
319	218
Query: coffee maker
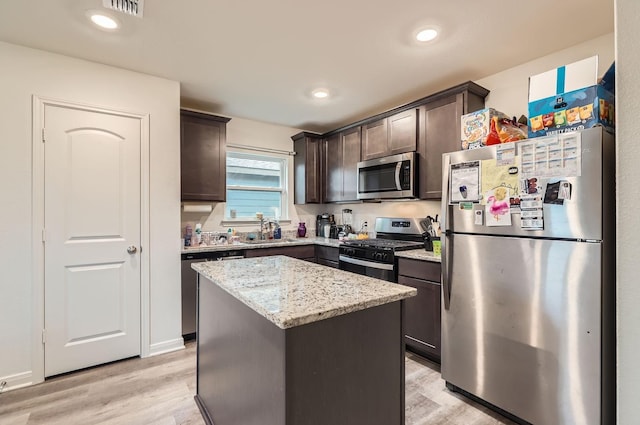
323	220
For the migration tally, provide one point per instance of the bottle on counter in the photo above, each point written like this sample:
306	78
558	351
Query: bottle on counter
364	231
198	234
188	233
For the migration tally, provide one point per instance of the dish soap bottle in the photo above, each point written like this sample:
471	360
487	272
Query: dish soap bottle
187	235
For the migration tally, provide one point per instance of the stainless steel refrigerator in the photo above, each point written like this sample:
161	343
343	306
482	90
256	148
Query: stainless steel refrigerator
528	317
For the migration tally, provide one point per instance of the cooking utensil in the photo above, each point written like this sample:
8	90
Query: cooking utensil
428	232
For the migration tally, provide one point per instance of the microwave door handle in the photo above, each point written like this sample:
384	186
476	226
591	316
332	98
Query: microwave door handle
398	169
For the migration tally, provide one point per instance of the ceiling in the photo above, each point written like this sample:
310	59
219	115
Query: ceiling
261	59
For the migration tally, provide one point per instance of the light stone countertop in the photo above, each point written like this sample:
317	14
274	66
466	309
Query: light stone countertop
290	292
419	254
266	244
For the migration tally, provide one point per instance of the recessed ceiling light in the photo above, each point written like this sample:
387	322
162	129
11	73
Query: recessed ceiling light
320	93
428	34
104	21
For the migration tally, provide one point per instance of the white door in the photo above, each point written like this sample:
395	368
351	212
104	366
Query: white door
92	237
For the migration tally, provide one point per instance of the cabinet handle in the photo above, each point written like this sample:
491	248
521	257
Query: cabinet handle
132	249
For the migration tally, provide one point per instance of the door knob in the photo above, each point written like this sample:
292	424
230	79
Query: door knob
132	249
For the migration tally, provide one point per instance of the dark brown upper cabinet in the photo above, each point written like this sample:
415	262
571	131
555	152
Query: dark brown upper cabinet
307	168
203	157
391	135
430	126
439	132
341	156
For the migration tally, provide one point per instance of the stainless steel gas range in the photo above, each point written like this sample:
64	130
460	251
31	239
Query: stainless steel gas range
376	257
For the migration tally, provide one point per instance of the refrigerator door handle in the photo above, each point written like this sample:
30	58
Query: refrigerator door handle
444	241
444	217
446	260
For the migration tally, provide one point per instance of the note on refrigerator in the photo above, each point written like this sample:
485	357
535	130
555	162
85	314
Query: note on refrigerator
465	182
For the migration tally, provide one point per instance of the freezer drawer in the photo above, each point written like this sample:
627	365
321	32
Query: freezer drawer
523	326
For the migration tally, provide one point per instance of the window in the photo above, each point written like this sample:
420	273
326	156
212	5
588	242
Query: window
256	183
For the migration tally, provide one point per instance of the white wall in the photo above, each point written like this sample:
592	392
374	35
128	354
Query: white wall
628	205
509	88
27	72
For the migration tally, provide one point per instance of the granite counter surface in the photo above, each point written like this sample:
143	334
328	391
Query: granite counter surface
290	292
264	244
419	254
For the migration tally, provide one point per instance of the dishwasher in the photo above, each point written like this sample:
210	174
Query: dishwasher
190	285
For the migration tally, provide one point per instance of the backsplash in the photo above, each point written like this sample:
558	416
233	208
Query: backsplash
368	211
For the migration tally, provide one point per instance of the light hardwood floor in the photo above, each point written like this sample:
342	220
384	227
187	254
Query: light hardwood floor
159	391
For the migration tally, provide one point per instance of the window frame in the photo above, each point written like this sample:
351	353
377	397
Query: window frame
283	189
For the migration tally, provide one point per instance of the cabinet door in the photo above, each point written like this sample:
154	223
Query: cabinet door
203	157
333	172
351	144
403	132
303	252
422	316
327	253
375	140
306	164
441	135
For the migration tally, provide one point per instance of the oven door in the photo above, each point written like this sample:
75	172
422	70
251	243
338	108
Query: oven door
367	268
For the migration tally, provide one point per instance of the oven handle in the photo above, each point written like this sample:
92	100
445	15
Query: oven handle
365	263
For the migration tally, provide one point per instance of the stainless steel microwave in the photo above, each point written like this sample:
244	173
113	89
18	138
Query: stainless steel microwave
390	177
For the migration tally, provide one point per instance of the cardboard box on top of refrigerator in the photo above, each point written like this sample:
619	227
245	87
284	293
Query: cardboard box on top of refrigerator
569	98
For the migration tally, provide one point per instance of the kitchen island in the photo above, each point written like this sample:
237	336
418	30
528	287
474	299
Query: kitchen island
282	341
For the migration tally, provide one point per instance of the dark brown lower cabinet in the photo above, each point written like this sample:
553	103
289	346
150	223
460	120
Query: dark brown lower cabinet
303	252
422	312
327	256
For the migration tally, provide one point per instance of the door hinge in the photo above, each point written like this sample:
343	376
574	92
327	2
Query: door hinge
42	134
44	236
44	336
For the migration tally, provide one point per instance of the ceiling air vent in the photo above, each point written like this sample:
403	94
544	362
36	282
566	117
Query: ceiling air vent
130	7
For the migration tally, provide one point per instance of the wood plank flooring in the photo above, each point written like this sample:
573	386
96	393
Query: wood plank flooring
159	390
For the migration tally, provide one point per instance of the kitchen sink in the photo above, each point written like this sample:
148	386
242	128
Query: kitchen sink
268	241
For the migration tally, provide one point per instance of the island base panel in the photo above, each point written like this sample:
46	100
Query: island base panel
240	361
344	370
347	370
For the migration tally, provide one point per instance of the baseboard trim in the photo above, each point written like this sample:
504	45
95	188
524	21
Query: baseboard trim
18	380
166	346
